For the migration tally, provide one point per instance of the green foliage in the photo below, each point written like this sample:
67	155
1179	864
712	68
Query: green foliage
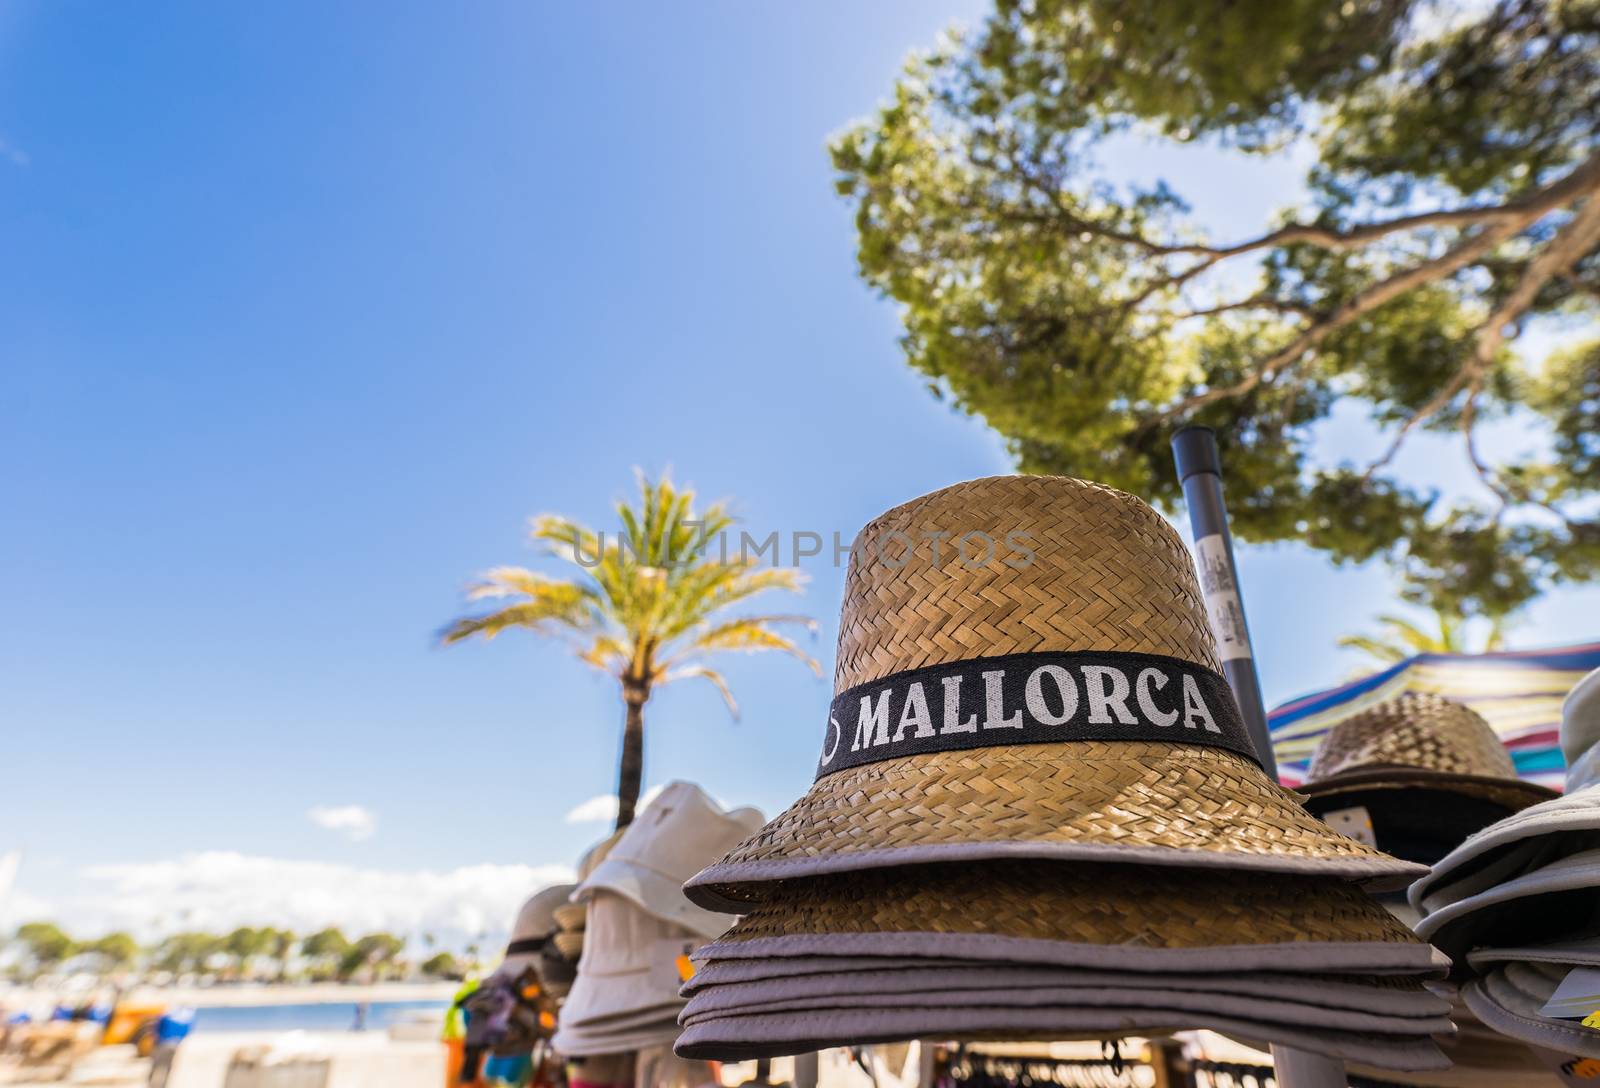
116	950
443	965
46	942
1453	203
326	944
188	952
375	952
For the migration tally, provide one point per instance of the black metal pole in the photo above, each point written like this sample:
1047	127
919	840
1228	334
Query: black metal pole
1200	472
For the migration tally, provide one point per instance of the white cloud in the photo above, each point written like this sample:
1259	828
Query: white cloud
602	808
217	890
15	155
356	822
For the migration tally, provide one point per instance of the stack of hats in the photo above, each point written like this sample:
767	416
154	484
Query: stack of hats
533	931
1038	814
565	947
1415	776
639	929
1518	904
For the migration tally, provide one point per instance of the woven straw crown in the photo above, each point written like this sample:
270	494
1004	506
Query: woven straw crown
1015	565
1106	572
1414	730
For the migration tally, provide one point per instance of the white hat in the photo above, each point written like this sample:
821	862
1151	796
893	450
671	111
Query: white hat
629	965
1505	849
535	923
1497	913
681	833
580	1042
1509	998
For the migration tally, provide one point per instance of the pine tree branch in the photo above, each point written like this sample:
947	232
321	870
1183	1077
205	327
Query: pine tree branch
1572	242
1523	209
1364	302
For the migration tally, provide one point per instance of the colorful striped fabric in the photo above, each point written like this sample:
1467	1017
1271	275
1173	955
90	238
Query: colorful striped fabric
1517	692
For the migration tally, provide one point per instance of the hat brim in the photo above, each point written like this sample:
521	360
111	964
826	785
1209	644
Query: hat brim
1123	801
654	893
1371	999
1367	994
738	1038
1557	898
579	1043
1512	794
1275	1010
1114	917
1512	1013
1578	951
1520	832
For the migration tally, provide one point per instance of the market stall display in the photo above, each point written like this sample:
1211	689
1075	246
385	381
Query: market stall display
1032	761
1518	904
638	928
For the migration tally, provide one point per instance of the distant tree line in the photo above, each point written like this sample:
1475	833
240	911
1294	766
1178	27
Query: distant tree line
248	952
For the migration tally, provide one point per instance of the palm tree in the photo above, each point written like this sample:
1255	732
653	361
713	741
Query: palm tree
648	606
1402	638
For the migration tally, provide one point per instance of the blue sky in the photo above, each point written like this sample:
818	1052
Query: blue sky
303	311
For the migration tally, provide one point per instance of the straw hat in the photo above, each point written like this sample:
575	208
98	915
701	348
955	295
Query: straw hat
1538	833
1418	740
1097	917
1025	669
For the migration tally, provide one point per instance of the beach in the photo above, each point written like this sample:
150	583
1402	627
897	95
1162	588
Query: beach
304	1023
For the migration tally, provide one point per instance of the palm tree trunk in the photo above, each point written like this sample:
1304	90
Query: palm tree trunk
630	769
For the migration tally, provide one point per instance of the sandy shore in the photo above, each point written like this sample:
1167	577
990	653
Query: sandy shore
312	993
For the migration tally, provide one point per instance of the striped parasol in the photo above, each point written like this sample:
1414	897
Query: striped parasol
1518	692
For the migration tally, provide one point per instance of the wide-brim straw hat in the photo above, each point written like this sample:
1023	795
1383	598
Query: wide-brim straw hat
1101	917
1419	741
1509	1000
1025	669
681	832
